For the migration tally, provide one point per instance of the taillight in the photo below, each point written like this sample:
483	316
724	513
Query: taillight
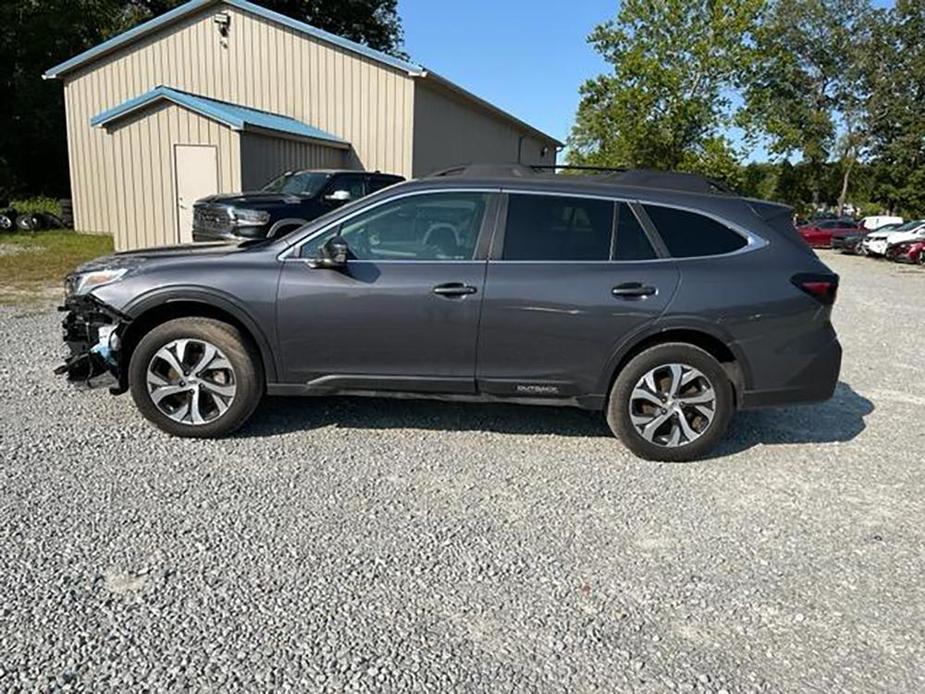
821	287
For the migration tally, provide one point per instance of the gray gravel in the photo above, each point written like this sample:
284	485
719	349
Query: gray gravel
368	545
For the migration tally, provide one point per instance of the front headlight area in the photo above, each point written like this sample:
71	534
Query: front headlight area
92	335
248	218
81	283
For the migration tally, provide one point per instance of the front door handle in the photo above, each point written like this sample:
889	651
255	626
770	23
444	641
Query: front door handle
633	290
454	289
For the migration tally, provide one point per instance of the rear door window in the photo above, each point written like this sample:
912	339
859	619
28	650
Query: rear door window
691	235
552	227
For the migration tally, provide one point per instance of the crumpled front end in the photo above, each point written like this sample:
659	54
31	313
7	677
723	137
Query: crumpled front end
92	333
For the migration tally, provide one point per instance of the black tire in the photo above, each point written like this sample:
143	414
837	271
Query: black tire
24	222
618	406
237	348
8	220
49	220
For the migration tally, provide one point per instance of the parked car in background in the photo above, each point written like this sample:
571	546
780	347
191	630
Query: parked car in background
654	298
818	233
907	252
849	240
876	243
880	221
283	205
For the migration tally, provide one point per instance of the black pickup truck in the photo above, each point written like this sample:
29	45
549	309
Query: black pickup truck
283	205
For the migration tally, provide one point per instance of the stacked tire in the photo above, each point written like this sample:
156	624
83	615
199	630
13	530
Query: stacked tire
67	213
8	220
12	220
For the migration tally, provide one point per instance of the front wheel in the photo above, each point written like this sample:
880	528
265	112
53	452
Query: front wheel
672	402
196	377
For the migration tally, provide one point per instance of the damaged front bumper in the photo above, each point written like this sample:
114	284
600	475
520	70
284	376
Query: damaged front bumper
92	334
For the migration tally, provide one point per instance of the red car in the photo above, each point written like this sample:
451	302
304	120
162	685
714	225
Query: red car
908	252
818	234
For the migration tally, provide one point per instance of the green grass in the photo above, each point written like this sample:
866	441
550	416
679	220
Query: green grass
32	266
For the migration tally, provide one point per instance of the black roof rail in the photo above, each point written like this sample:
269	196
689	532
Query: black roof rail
641	178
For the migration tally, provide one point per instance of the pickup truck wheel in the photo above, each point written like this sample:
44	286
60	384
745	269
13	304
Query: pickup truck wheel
671	402
196	377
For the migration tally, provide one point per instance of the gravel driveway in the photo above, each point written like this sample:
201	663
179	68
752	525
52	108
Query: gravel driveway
380	545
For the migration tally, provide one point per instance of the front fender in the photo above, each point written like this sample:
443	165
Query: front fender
214	298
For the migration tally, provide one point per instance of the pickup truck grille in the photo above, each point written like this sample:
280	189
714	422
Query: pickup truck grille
211	218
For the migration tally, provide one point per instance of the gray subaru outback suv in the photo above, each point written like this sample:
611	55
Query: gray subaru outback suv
659	299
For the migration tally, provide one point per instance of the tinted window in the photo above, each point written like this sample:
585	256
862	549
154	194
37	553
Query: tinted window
437	226
353	184
379	182
548	227
631	242
689	235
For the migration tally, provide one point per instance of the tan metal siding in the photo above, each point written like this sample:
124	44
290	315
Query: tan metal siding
138	188
264	66
264	158
449	131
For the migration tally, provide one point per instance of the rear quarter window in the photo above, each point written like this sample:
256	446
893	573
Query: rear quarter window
691	235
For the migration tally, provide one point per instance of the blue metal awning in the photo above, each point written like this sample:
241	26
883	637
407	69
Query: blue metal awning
232	115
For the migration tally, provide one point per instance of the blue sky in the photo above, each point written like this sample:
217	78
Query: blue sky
528	57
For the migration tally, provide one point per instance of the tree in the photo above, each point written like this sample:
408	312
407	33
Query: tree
374	23
667	98
896	108
33	37
804	91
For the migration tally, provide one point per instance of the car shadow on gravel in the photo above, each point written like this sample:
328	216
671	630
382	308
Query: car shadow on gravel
278	415
837	420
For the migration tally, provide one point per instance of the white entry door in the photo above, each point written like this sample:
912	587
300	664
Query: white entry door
197	177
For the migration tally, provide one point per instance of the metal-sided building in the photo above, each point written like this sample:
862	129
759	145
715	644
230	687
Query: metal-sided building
223	95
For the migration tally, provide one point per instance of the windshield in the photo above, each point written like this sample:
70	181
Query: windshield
300	183
908	226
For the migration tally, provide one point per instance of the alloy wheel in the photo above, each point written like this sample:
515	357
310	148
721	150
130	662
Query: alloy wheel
191	381
672	405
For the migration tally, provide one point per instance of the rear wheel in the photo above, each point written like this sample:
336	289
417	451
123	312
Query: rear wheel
672	402
196	377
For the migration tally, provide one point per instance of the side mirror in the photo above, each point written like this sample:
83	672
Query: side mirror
339	196
332	255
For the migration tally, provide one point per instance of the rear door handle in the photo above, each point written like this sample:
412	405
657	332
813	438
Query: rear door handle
633	290
454	289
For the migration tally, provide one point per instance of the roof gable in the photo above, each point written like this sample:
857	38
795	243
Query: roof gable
194	6
413	70
232	115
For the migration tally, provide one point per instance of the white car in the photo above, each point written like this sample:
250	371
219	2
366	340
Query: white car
878	221
877	242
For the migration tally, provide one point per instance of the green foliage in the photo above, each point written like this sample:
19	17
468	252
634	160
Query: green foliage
33	36
41	203
833	89
803	91
896	81
664	102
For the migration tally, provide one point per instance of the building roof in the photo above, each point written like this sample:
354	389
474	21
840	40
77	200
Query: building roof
411	69
234	116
